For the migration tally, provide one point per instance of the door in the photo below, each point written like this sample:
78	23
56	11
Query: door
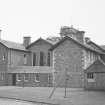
14	79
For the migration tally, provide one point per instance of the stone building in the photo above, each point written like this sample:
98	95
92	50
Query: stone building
48	62
95	76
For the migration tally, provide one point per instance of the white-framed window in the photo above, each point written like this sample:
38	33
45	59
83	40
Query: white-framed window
37	77
19	77
26	77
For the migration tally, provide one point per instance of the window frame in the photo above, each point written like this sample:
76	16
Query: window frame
34	55
49	78
2	76
25	59
49	59
3	57
90	75
37	74
26	77
41	58
18	78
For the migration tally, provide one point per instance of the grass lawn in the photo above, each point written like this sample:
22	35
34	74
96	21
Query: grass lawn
41	94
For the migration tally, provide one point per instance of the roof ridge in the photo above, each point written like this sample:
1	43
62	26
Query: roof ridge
82	44
102	62
13	45
94	68
37	41
11	41
96	45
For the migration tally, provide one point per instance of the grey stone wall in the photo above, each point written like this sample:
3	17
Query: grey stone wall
98	84
68	56
37	48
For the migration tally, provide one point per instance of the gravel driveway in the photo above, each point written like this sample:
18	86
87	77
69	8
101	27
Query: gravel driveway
75	96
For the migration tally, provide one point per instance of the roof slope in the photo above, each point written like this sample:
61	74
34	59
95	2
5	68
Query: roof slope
77	42
97	67
53	40
13	45
95	46
103	47
40	39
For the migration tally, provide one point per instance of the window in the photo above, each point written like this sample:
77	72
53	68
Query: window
26	77
1	76
48	59
19	77
37	79
49	78
41	58
3	58
90	75
25	59
34	59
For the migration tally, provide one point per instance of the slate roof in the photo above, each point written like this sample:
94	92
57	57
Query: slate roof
97	67
30	69
13	45
54	44
40	39
97	47
76	41
103	47
53	40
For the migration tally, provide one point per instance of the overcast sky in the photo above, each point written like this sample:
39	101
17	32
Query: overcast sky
43	18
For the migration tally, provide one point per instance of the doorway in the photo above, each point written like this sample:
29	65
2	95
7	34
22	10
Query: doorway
14	79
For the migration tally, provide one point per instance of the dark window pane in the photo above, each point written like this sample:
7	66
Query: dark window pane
48	59
41	58
34	59
90	75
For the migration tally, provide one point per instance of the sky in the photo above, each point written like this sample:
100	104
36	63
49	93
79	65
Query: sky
44	18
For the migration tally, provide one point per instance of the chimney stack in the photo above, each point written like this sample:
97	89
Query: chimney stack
26	40
87	39
80	36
